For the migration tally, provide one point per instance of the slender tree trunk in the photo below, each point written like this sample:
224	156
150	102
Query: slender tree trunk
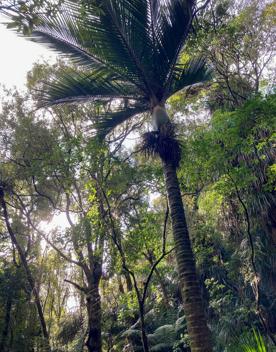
27	270
128	281
5	332
94	310
143	328
192	301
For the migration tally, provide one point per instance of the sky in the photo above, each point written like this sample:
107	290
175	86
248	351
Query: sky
17	56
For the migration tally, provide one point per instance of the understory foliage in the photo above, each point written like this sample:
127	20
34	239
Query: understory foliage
85	227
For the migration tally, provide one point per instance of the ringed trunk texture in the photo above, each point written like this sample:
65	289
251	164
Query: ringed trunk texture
94	341
198	330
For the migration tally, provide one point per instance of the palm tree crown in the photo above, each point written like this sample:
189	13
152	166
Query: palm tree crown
124	49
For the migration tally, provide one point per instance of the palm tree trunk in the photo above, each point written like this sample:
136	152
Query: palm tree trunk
192	301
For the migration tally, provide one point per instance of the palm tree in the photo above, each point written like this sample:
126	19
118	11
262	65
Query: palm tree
129	50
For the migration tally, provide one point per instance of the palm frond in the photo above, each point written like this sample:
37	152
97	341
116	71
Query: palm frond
110	34
109	121
140	40
193	72
65	34
174	26
128	37
71	86
250	342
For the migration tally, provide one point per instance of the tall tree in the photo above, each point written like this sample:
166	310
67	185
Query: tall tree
129	52
22	255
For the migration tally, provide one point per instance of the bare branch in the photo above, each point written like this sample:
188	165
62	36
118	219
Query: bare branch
80	288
